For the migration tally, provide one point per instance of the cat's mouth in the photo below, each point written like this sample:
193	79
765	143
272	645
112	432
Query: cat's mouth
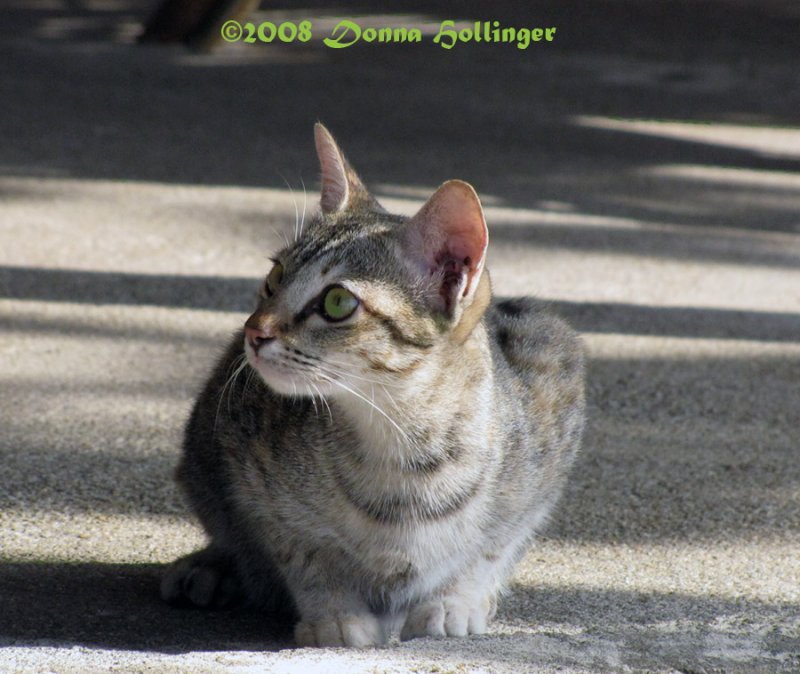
288	372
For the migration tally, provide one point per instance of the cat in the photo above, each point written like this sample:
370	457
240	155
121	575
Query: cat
399	437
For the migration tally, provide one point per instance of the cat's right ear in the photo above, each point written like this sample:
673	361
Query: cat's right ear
446	240
341	186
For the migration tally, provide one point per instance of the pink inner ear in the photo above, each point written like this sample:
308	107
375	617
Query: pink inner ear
452	231
453	270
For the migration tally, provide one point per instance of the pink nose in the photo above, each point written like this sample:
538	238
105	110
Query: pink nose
257	337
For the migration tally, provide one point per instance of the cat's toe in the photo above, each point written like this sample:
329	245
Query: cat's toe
201	586
352	630
203	579
172	581
426	619
456	619
452	617
480	614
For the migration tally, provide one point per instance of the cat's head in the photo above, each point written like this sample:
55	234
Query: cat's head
363	297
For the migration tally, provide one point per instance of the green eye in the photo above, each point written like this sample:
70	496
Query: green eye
338	303
274	278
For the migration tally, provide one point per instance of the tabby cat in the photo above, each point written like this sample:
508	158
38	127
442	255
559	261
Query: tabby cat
402	438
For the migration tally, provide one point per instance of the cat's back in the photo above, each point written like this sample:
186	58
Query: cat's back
543	357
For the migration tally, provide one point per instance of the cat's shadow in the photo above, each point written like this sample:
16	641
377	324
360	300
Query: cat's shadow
118	606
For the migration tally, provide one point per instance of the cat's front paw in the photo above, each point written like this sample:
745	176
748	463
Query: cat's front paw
203	579
356	630
449	617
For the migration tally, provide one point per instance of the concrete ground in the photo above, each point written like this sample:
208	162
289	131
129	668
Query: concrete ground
641	172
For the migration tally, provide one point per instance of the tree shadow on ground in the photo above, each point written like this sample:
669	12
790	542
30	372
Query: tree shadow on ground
619	61
667	456
238	294
703	439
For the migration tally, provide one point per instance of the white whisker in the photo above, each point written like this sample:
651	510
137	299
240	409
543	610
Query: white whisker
321	397
305	202
388	395
297	225
332	374
236	374
325	401
345	373
250	374
325	367
282	235
237	365
372	406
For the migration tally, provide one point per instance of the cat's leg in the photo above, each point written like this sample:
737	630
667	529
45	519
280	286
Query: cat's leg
466	606
332	612
347	624
205	579
336	618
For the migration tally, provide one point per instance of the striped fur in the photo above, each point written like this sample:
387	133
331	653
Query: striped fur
386	471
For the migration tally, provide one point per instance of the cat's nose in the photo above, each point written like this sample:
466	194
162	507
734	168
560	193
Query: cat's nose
256	337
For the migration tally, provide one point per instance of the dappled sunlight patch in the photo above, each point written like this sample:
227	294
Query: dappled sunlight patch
724	175
124	322
34	534
657	347
649	280
764	569
772	141
82	359
76	28
126	226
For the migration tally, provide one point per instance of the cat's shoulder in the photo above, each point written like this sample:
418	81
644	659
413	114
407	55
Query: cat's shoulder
533	338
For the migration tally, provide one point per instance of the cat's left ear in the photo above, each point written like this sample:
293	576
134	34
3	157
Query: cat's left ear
447	238
341	186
